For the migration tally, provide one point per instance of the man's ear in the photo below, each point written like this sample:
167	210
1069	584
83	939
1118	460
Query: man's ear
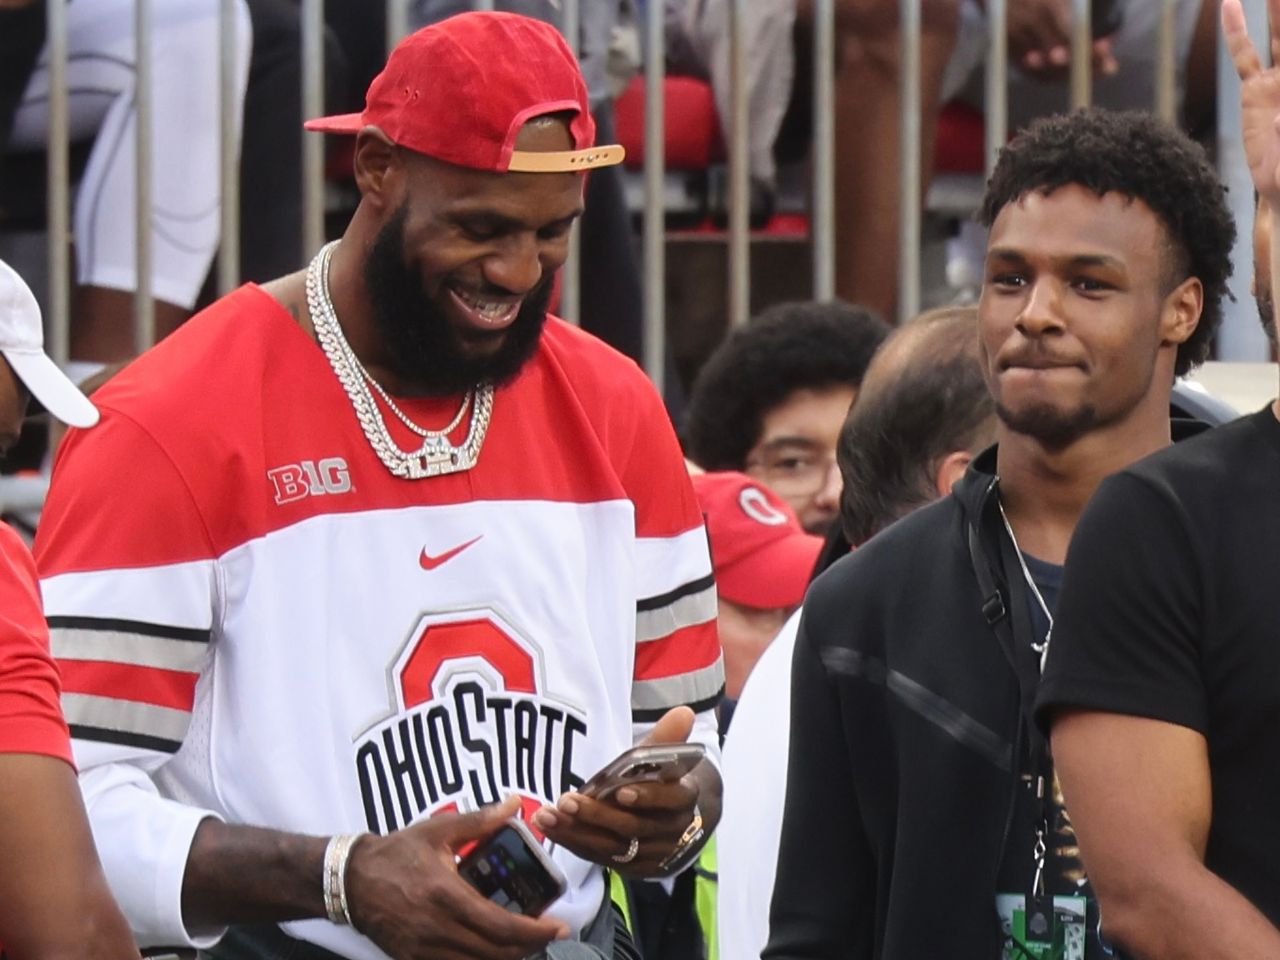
950	469
1182	309
377	170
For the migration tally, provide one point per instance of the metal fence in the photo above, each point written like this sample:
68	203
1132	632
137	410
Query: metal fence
1239	340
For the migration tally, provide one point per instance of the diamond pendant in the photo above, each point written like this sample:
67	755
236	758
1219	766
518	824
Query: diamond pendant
437	456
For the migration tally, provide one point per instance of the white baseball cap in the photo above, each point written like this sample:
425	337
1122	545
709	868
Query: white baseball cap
22	343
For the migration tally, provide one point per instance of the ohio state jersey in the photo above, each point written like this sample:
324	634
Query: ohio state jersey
256	620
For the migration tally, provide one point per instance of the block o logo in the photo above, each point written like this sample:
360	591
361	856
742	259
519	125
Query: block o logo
462	644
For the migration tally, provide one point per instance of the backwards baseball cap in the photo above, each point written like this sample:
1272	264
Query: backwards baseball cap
460	91
22	343
763	558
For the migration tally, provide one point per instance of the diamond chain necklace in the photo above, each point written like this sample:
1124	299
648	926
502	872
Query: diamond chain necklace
437	455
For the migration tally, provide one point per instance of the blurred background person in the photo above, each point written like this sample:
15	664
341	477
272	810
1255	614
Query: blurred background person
868	82
770	401
185	158
763	560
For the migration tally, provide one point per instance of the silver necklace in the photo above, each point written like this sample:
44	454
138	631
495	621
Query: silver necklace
1043	647
437	455
403	417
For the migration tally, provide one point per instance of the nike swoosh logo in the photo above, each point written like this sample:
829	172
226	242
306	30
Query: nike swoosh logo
429	562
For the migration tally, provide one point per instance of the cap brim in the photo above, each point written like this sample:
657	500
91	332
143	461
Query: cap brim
774	576
52	388
351	123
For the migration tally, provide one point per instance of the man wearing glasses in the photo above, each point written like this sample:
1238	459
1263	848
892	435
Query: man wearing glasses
771	400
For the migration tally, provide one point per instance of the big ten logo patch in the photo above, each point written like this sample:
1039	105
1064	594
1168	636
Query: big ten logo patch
310	479
470	725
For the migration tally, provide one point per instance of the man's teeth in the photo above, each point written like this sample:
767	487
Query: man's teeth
486	308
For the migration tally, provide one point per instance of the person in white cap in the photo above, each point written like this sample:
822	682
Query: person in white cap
22	344
54	899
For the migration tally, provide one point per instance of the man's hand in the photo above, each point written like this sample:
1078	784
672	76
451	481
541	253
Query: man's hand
407	897
656	815
1039	33
1259	98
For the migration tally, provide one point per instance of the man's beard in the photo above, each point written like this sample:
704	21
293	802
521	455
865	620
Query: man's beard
421	345
1054	428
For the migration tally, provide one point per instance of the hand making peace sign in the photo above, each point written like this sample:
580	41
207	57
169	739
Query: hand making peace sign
1259	98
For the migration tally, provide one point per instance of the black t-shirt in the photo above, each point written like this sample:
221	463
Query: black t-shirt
1169	610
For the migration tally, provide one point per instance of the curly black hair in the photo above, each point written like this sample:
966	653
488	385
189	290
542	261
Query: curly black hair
804	345
1141	157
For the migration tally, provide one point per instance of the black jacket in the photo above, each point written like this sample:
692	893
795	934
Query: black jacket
906	740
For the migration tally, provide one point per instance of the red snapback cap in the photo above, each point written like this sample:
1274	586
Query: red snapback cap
762	556
460	91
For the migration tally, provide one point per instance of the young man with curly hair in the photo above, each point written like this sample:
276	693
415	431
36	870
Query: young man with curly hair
772	398
915	768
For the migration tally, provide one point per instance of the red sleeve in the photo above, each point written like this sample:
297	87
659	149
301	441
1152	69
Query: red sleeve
30	716
678	655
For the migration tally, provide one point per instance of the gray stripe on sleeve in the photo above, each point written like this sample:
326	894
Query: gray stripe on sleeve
687	611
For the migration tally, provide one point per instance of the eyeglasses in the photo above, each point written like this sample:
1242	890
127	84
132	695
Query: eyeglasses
792	470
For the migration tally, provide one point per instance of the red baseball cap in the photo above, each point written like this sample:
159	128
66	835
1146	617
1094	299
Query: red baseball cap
460	91
763	558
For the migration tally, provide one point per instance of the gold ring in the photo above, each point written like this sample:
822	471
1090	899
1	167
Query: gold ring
632	849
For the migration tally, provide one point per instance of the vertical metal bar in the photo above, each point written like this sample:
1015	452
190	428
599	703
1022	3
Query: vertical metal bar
571	289
144	307
1081	54
824	150
997	105
1166	62
229	150
739	171
397	22
58	200
483	4
655	228
910	139
312	143
571	25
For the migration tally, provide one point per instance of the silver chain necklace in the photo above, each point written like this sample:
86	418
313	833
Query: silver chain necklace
1043	647
404	418
437	455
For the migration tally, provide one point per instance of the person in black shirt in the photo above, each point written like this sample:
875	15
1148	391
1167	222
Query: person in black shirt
921	818
1163	684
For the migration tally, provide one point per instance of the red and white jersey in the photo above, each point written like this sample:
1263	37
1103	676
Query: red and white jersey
255	619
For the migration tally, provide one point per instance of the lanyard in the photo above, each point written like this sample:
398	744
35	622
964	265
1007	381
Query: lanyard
1040	761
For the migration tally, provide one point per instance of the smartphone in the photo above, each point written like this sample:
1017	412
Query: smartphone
511	869
645	764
